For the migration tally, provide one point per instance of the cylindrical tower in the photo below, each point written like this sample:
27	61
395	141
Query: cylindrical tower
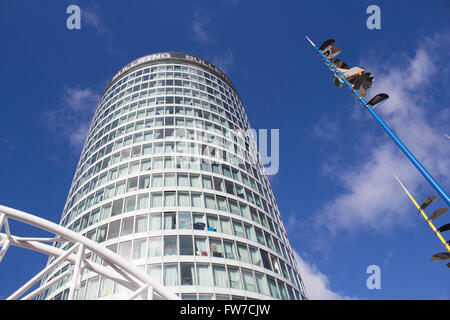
166	180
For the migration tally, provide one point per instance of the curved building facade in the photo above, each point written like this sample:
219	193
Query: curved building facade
167	180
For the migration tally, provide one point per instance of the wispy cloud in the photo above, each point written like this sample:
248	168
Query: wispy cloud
200	25
316	283
372	197
7	144
91	16
224	61
326	128
233	3
70	121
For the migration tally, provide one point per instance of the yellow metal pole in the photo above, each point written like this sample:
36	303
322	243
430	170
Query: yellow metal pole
436	232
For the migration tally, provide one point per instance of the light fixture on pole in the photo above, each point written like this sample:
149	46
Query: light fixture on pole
437	231
359	82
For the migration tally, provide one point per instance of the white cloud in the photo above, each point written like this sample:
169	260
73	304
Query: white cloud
199	26
71	120
372	197
91	17
224	61
326	128
316	283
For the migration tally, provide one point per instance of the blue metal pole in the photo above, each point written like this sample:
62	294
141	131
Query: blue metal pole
410	156
397	141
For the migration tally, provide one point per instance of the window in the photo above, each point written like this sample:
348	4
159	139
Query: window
157	163
141	223
120	187
92	288
269	240
155	221
254	214
249	281
146	165
245	211
127	226
238	230
113	231
240	191
200	246
123	169
210	202
157	180
130	203
187	274
225	225
95	215
139	248
260	236
186	248
262	283
198	220
220	276
136	151
196	199
195	181
142	202
229	187
169	221
125	249
216	248
105	214
229	249
235	278
144	182
156	200
234	207
212	222
171	274
222	204
169	199
283	291
155	272
184	220
183	180
243	253
101	233
207	182
204	275
169	163
154	247
256	257
218	184
170	245
250	232
265	259
273	287
109	191
183	199
117	207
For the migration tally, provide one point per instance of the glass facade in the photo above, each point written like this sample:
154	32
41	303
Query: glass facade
166	181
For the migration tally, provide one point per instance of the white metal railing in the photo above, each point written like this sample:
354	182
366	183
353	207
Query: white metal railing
118	270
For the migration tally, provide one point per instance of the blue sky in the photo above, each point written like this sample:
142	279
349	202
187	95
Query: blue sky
335	189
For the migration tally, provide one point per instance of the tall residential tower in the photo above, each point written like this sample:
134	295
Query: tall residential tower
168	180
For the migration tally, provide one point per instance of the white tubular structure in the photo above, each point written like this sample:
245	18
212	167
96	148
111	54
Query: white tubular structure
118	269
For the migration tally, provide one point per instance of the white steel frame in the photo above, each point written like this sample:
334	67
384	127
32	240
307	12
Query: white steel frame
118	269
